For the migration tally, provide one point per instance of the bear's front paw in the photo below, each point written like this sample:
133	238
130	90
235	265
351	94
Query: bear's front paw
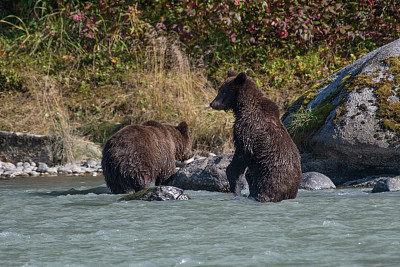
234	187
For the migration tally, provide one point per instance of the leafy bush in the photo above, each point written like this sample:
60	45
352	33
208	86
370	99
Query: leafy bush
298	23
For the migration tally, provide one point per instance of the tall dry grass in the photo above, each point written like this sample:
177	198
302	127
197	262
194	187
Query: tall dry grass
166	86
162	84
44	110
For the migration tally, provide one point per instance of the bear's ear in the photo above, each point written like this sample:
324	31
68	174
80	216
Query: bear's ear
183	127
241	78
231	73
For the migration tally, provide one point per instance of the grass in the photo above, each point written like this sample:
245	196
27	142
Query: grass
55	96
55	80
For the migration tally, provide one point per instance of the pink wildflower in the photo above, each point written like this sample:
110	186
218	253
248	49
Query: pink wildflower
283	33
233	37
77	17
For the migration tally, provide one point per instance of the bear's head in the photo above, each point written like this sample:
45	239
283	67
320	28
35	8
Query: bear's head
227	94
183	142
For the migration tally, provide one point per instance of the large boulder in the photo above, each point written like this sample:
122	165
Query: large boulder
208	173
348	126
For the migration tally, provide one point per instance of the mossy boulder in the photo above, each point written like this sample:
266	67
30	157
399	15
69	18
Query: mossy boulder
348	126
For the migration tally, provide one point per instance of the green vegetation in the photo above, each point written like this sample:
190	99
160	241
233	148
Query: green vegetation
306	122
389	111
84	69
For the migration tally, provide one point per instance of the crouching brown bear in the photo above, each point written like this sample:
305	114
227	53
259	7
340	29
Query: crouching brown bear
262	144
138	155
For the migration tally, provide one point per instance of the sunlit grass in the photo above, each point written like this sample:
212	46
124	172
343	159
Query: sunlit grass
56	80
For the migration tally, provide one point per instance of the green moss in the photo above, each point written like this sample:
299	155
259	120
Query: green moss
309	95
306	123
388	112
137	195
345	81
359	82
394	63
340	111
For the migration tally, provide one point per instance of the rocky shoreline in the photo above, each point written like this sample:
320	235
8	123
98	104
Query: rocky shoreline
199	173
9	170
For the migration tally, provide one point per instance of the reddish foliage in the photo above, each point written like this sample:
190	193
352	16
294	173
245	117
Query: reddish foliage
298	22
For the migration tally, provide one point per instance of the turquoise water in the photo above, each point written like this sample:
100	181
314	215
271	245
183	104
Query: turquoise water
44	224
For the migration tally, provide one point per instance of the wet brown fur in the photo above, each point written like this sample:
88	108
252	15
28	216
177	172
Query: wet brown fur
262	144
138	155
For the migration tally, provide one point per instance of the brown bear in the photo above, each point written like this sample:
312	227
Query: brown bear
262	144
138	155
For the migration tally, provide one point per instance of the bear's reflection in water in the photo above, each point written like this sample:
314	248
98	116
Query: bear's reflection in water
95	190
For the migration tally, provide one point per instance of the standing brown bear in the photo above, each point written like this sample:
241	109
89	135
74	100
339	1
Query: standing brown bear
262	144
138	155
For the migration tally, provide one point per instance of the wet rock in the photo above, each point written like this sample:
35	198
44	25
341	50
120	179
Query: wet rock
346	126
315	181
387	185
33	173
64	170
52	171
366	182
205	174
158	193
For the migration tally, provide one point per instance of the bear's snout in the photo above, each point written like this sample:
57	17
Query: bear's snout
215	104
212	104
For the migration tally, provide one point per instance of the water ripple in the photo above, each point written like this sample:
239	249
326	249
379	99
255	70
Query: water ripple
51	225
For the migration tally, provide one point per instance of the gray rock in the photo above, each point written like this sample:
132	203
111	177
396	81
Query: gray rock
77	170
52	171
205	174
8	166
367	182
158	193
11	173
27	165
315	181
33	173
9	170
355	139
387	185
64	170
90	164
42	167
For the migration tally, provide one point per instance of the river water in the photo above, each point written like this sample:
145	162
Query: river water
44	223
